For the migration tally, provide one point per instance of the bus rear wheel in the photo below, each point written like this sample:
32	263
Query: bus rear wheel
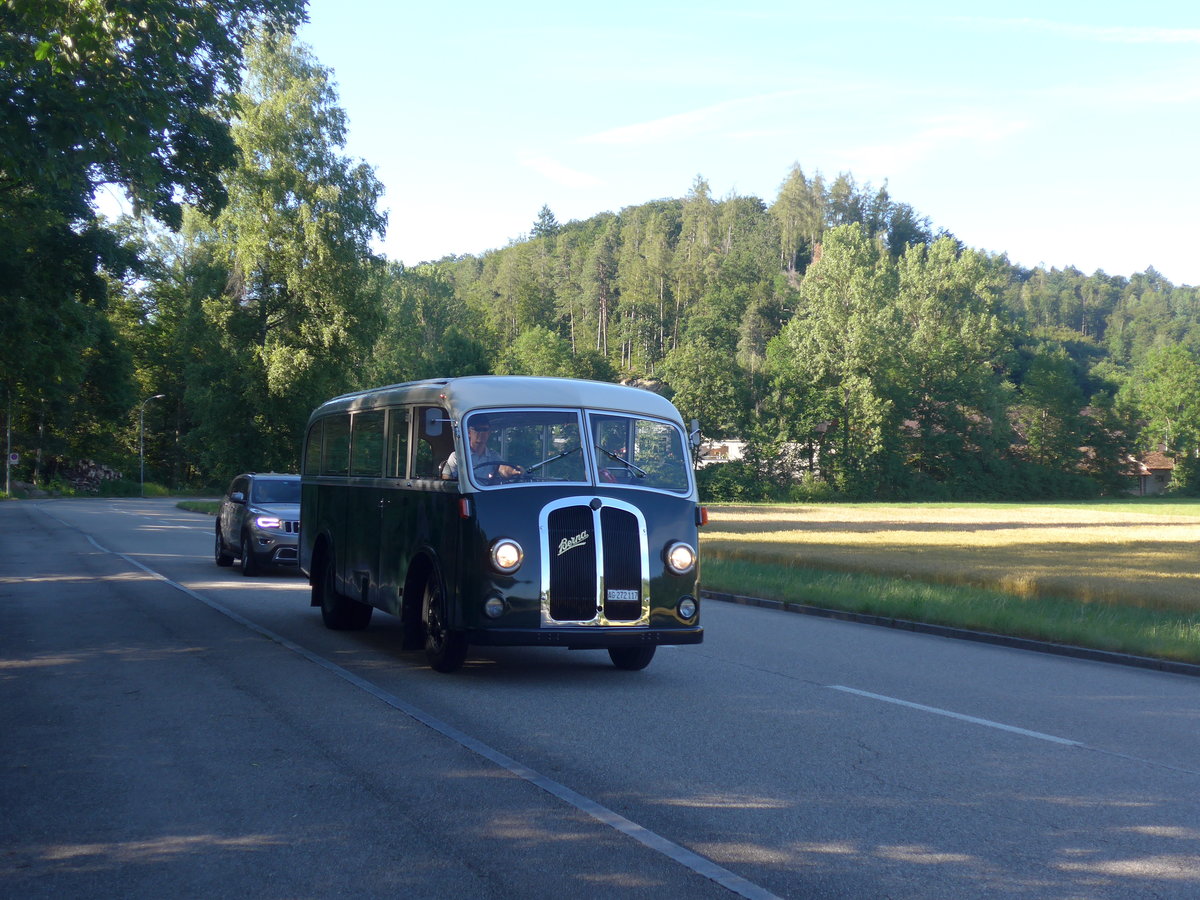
337	612
445	649
631	658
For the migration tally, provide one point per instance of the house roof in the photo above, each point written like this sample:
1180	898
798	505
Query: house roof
1151	462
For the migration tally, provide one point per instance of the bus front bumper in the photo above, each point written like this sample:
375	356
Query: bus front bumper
583	638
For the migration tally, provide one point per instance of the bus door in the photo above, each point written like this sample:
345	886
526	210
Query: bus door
366	494
421	508
330	505
394	533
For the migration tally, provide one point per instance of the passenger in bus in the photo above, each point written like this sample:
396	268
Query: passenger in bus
485	463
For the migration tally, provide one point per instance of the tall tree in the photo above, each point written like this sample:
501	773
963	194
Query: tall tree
1049	411
793	214
300	303
546	225
426	328
949	383
694	264
1166	387
834	363
125	92
706	386
846	204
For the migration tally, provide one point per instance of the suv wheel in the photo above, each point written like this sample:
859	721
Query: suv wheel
223	558
250	566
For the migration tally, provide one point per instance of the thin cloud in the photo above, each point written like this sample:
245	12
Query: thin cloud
705	120
939	133
555	171
1114	34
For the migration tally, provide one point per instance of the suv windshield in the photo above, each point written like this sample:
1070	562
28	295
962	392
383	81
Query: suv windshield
275	490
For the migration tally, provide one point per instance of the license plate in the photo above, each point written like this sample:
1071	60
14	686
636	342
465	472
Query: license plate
624	596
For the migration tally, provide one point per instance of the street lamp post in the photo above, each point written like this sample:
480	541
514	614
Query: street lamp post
142	438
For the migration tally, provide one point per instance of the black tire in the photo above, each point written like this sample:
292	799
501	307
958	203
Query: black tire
631	659
337	612
250	566
446	650
223	559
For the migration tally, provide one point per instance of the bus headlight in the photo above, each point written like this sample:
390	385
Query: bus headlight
687	608
680	558
507	555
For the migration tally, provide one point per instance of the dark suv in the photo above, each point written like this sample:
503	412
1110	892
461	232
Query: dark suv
259	522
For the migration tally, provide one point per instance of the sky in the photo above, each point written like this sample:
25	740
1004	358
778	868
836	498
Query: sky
1058	133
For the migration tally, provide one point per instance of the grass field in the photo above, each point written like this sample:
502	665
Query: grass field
1116	575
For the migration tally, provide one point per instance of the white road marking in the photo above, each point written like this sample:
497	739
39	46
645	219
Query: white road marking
988	723
962	718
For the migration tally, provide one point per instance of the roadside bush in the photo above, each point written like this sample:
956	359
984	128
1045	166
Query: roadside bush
729	482
121	488
811	489
1185	479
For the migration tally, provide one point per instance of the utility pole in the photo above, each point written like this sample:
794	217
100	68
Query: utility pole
141	439
8	457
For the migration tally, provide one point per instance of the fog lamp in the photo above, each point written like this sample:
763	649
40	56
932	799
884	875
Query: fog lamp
494	606
687	607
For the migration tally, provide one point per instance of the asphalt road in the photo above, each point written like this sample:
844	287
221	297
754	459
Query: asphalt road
170	728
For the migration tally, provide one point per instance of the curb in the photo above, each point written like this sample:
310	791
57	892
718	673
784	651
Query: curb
963	634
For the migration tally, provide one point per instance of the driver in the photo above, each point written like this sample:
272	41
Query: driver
483	460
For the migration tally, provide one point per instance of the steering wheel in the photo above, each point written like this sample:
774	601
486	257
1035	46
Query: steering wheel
495	477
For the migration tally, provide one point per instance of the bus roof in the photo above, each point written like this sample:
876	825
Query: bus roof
461	395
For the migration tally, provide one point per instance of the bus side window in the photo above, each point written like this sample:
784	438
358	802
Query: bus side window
435	441
337	445
312	450
397	461
367	448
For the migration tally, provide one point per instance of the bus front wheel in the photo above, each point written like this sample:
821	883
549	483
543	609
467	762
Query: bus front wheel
631	658
337	612
445	649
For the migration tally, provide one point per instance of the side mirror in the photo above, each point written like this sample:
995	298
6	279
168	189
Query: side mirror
433	421
694	434
237	497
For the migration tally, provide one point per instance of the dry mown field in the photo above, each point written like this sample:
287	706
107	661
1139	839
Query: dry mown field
1115	553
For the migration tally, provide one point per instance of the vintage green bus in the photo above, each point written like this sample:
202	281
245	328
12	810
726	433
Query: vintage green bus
571	520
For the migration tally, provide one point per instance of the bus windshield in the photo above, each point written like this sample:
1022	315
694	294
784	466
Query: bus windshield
639	452
520	446
510	447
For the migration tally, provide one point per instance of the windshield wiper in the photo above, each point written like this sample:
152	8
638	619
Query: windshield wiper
641	473
544	462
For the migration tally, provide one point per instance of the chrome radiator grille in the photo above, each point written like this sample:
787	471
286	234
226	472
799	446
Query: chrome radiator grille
572	592
595	568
